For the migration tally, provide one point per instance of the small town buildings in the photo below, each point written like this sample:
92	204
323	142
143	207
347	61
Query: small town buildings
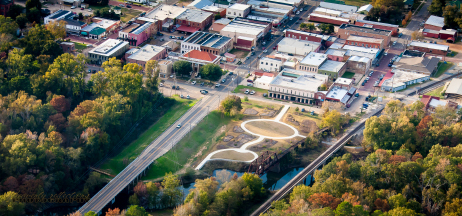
146	53
238	10
218	25
423	65
344	83
230	57
263	82
165	16
365	9
328	19
199	4
67	47
5	6
108	49
137	33
107	24
249	31
413	53
165	68
378	25
454	88
371	53
336	54
312	62
346	30
339	94
298	86
207	42
339	7
308	36
438	49
434	23
193	20
297	46
199	58
430	33
74	26
449	34
333	69
270	64
396	80
432	102
357	64
215	10
58	15
365	42
276	16
97	33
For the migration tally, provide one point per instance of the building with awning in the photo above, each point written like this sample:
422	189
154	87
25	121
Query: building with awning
189	29
97	33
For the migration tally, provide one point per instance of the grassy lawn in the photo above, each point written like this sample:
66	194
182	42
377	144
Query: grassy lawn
128	14
239	87
436	92
357	3
180	106
79	46
452	54
97	7
239	53
348	75
443	68
186	150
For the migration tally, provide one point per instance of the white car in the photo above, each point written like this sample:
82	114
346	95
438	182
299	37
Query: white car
181	96
161	84
298	12
246	91
73	7
265	51
193	82
252	92
385	54
188	97
171	76
367	78
291	18
178	126
217	85
394	43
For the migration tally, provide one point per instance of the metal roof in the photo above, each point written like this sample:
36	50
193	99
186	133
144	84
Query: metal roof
346	8
194	15
97	31
378	23
430	45
365	29
332	66
455	87
435	21
146	52
315	59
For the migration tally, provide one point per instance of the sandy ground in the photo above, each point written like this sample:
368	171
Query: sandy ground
271	129
233	155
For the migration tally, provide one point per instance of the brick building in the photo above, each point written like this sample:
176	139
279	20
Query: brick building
308	36
193	20
434	23
346	30
437	49
336	54
328	19
357	64
67	47
146	53
207	42
365	42
5	6
378	25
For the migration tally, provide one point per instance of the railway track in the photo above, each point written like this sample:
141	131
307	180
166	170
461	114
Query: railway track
310	168
433	85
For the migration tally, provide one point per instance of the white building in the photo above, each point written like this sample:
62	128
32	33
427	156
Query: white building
110	48
401	79
297	86
238	10
58	15
270	64
340	7
263	82
297	46
312	62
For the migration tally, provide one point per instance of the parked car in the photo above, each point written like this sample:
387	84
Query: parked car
82	8
161	39
247	91
364	83
161	84
93	71
357	95
263	48
265	51
159	34
275	47
128	6
390	64
181	96
291	18
178	126
367	78
73	7
173	87
180	38
252	92
223	80
202	84
400	35
193	82
250	81
204	92
249	84
385	53
231	73
89	9
89	71
172	37
264	95
217	85
121	5
177	87
298	12
394	43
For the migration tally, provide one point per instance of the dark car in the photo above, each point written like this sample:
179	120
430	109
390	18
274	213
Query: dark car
128	6
390	64
159	34
400	35
364	83
94	71
180	38
357	95
89	71
173	87
250	81
172	37
177	87
202	84
223	80
231	73
377	64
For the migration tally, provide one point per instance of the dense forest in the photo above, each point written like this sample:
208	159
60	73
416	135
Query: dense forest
56	120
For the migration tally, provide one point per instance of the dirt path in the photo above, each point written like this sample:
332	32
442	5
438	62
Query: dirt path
268	128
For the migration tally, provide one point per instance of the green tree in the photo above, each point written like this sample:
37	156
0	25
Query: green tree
311	141
91	213
326	28
344	209
22	21
211	72
303	26
453	207
10	207
57	28
255	184
217	16
34	16
182	67
152	76
326	211
231	105
172	195
310	27
15	10
397	200
30	4
401	211
333	120
133	200
18	63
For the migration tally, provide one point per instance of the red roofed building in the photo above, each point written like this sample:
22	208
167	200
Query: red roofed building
198	58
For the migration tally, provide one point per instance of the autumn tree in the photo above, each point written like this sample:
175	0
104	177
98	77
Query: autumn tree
416	35
57	28
152	75
9	206
231	105
334	121
60	103
321	200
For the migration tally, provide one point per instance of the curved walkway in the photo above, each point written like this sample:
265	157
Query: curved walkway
243	148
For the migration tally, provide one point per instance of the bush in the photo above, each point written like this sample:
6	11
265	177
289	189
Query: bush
246	98
297	109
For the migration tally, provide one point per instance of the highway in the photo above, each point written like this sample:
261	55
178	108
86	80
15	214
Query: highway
157	148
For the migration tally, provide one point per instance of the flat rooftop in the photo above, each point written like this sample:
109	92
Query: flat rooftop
165	11
130	27
267	59
146	52
109	47
324	37
327	10
413	53
299	80
338	94
455	87
365	29
400	77
435	21
287	41
105	23
363	59
344	81
340	7
361	49
58	14
238	6
330	17
315	59
335	52
364	39
194	15
377	23
207	39
245	26
430	45
332	66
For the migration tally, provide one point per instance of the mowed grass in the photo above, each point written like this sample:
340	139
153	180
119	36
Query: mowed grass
436	92
348	75
442	68
128	14
239	87
357	3
79	46
186	150
115	165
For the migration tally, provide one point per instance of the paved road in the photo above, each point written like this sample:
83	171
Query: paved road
158	147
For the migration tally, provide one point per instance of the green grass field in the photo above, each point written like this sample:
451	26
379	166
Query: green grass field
239	87
443	68
436	92
98	7
357	3
186	149
348	75
79	46
452	54
128	14
116	165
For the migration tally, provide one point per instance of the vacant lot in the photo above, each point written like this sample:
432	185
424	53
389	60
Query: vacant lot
239	53
268	128
348	75
129	14
234	155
